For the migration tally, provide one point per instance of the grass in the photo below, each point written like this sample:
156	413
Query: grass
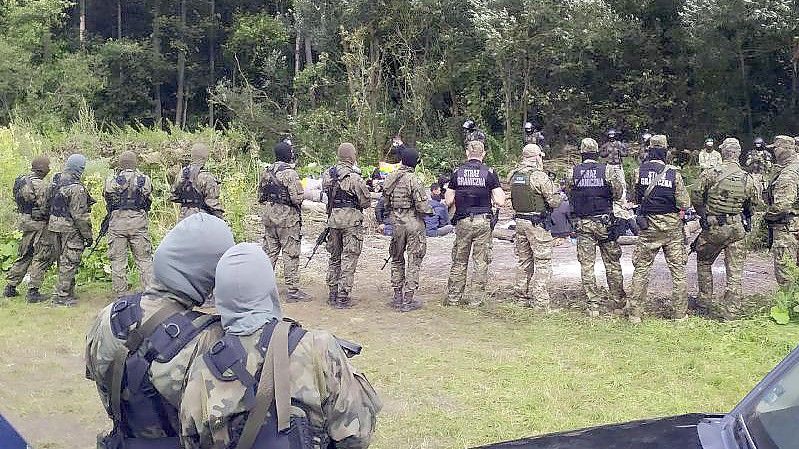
449	378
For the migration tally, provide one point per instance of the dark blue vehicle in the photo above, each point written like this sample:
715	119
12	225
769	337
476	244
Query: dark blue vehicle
9	438
767	418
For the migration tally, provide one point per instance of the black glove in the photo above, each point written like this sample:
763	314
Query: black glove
88	242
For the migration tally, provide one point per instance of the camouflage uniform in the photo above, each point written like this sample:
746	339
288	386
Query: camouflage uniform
664	231
722	195
346	203
709	159
595	230
283	221
533	241
407	200
614	152
338	402
33	225
782	213
195	188
127	195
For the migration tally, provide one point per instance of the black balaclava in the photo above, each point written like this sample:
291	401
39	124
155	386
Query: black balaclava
284	152
409	157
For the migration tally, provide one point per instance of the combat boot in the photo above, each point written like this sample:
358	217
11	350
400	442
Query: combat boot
65	301
297	295
397	301
10	291
409	304
34	296
343	301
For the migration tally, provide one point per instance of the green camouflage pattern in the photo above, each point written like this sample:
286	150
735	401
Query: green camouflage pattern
407	201
32	230
613	152
349	181
782	197
286	240
283	223
344	246
208	186
339	403
45	254
80	217
472	236
758	162
725	189
70	246
709	159
129	229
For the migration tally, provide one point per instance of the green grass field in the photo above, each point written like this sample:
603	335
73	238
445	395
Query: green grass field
449	378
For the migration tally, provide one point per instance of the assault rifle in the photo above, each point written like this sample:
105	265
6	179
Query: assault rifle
385	262
350	348
103	231
319	240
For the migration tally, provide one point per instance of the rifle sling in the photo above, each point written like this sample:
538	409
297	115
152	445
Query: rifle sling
655	182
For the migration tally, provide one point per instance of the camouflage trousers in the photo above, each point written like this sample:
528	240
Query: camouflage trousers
590	235
472	238
710	244
71	249
45	254
784	249
344	246
138	240
25	254
288	241
412	241
671	240
534	268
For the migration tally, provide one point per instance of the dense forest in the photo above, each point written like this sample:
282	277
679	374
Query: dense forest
367	70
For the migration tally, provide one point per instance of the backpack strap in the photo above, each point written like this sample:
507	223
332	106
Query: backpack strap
651	188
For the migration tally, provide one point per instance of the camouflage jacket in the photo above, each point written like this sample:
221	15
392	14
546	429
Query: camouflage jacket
406	199
35	191
614	151
709	160
127	219
758	161
540	183
168	378
350	181
782	192
208	187
79	204
670	222
710	178
337	400
282	215
612	177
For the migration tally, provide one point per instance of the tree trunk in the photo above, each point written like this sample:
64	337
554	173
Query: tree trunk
119	19
506	85
795	76
181	66
297	65
212	64
82	26
158	113
308	62
745	87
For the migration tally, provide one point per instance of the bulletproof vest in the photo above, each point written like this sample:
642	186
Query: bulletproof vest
131	197
59	203
591	194
142	410
663	199
472	196
272	190
23	206
338	198
187	194
768	192
728	194
399	193
525	200
227	361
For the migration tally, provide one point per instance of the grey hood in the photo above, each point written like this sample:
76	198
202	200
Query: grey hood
246	292
185	261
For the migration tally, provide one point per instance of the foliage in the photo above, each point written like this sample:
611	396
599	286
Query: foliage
786	300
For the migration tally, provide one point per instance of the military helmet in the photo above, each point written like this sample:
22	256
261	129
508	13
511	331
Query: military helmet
588	145
528	127
612	133
469	125
759	142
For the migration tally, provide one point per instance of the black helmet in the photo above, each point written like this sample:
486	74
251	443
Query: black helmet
759	142
284	152
612	133
469	125
528	127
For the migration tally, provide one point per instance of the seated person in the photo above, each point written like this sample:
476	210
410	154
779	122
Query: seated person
438	224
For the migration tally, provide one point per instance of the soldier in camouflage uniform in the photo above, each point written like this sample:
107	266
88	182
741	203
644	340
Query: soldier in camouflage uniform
70	229
139	348
662	198
758	162
473	188
724	197
195	188
127	196
407	201
534	197
471	133
709	158
533	136
265	363
782	212
280	193
347	197
30	193
593	187
614	151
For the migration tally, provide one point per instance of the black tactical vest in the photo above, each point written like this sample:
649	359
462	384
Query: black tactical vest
472	196
272	191
59	203
23	206
663	199
131	197
591	194
338	198
188	195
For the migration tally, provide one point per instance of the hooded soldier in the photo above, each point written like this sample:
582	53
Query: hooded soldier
280	192
347	197
127	195
407	201
30	194
593	188
302	377
196	189
782	201
141	389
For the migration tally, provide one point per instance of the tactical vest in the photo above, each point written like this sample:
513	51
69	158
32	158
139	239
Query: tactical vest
23	206
59	203
591	194
131	197
227	361
186	193
472	196
143	410
728	194
768	192
399	194
524	199
338	198
272	190
663	199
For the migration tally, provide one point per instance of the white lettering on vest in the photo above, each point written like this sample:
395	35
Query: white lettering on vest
589	178
665	182
471	178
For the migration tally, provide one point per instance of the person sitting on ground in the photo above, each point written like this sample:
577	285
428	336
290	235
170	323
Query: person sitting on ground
438	224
